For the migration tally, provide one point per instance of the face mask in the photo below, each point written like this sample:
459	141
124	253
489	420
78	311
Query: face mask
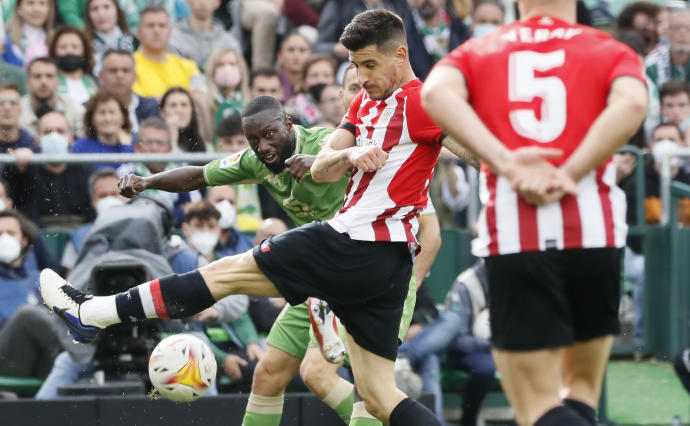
10	248
69	63
483	29
2	205
228	215
661	148
227	76
203	242
54	143
106	203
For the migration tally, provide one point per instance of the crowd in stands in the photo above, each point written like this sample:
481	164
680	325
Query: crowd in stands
171	76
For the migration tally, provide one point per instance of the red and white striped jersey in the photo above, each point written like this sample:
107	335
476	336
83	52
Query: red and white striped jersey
543	82
384	205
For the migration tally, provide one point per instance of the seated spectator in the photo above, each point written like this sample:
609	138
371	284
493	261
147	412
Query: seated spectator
11	73
74	59
231	138
117	75
231	241
265	82
154	137
200	228
28	31
327	97
260	19
294	50
197	36
103	194
6	203
107	127
318	69
351	86
302	12
336	14
432	32
178	109
53	195
227	89
487	16
156	69
43	97
450	190
11	135
671	62
641	16
675	103
106	27
134	10
462	333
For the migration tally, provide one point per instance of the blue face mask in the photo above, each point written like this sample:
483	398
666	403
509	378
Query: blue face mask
54	143
483	29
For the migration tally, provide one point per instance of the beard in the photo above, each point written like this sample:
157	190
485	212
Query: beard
283	154
427	10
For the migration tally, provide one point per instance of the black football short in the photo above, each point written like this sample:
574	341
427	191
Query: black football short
553	298
364	282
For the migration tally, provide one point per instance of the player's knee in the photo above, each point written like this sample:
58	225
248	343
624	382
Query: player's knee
313	372
266	381
375	408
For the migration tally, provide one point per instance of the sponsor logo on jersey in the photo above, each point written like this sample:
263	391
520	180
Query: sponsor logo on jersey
362	141
231	160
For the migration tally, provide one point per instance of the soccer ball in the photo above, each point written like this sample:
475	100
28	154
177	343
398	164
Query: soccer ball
182	367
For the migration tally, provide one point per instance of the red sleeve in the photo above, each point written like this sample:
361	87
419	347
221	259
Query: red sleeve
350	120
422	129
458	58
626	63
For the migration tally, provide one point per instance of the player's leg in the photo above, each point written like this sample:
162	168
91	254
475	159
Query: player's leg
322	379
360	415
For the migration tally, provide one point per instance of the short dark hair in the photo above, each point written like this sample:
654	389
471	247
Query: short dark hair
381	27
202	210
29	230
117	52
100	174
668	124
41	59
103	95
673	87
262	103
625	18
230	126
8	85
497	3
263	72
153	8
632	39
156	122
86	45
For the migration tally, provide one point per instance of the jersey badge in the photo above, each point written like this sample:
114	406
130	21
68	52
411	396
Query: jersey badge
231	160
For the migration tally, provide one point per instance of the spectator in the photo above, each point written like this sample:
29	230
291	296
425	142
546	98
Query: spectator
11	73
294	50
260	19
351	86
177	108
117	76
6	203
106	27
318	69
43	97
74	59
487	16
199	35
227	89
231	138
157	70
154	137
28	31
329	102
450	190
301	12
432	32
675	103
134	10
231	241
103	194
641	16
53	195
338	13
201	229
107	127
265	82
671	62
12	136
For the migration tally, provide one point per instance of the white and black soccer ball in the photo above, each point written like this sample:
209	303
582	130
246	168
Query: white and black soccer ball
182	367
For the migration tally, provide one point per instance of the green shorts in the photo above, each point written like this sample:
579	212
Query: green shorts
292	332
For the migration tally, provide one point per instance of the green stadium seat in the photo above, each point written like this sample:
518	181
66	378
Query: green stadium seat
22	386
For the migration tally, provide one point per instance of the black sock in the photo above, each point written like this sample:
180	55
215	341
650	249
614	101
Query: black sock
173	296
412	413
583	409
561	416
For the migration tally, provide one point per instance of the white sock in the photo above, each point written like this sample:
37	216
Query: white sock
100	312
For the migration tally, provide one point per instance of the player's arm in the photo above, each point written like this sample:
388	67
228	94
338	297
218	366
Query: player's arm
625	110
182	179
430	240
340	154
469	157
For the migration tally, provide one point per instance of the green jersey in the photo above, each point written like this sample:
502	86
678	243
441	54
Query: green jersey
303	201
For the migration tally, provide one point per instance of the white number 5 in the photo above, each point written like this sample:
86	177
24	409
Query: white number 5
523	86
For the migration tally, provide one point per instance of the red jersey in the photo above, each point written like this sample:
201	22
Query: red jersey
384	205
543	82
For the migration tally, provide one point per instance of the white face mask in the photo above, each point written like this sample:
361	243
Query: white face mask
3	206
228	215
10	248
661	148
203	242
105	203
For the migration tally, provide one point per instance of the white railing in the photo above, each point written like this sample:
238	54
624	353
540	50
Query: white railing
185	157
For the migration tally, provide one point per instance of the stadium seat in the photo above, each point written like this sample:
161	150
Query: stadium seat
22	386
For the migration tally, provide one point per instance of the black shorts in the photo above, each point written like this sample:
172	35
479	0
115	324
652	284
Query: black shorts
364	282
553	298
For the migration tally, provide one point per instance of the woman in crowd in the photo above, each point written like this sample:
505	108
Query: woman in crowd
227	83
106	26
177	108
107	127
72	53
318	69
28	31
294	50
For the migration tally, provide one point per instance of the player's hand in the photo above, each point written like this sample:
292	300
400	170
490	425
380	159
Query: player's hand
298	165
232	367
22	157
255	352
367	158
130	185
625	165
207	315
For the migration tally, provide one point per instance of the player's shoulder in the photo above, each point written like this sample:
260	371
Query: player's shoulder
311	139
